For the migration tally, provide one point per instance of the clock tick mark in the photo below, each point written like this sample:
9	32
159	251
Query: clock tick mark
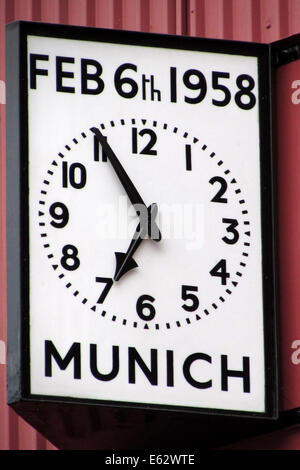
61	155
83	135
68	285
102	126
50	256
43	235
226	172
185	135
103	313
75	141
68	147
220	163
76	293
46	245
204	147
46	182
84	301
229	291
43	192
206	312
122	122
175	130
61	276
212	155
242	201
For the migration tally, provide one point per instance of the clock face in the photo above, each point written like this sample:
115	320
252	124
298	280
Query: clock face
146	224
85	217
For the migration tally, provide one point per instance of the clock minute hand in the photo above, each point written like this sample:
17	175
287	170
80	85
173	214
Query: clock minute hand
132	192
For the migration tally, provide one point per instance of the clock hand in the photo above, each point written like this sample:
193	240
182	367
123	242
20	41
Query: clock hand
133	194
125	261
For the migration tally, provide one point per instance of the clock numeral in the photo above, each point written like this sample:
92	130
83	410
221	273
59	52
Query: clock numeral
233	223
220	271
144	308
148	148
108	283
75	175
186	294
96	150
60	213
218	197
188	158
70	260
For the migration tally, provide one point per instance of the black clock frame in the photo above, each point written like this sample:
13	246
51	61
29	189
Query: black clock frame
18	379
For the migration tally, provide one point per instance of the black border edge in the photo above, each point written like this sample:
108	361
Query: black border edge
269	230
285	50
18	248
13	209
139	38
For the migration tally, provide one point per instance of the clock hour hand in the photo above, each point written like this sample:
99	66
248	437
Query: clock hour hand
133	194
125	261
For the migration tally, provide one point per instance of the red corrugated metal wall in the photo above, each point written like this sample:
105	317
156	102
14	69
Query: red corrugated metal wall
249	20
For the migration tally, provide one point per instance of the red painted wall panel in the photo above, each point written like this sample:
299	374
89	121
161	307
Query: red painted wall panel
250	20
